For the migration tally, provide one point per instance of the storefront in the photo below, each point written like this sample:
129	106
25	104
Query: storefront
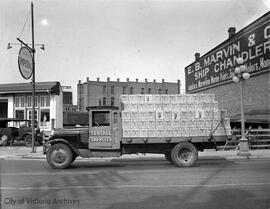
16	102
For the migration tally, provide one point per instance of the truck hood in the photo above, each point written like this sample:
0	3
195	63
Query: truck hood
70	131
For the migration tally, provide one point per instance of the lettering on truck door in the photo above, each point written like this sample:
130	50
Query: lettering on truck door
100	133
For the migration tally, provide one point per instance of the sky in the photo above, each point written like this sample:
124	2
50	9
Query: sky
153	39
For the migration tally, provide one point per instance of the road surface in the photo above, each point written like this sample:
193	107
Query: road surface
136	184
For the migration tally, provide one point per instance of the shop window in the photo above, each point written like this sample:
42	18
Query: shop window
45	117
17	101
44	101
36	101
30	117
29	101
22	102
115	118
19	114
47	101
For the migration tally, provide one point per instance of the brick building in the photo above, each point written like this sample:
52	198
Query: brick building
107	93
213	72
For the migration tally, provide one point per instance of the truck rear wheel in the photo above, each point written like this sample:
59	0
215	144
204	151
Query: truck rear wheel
184	154
59	156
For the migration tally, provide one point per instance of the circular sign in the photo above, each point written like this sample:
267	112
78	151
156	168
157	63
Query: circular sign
25	62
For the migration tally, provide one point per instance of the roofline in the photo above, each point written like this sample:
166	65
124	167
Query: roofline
234	37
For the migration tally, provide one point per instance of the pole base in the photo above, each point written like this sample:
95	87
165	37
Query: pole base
243	148
34	150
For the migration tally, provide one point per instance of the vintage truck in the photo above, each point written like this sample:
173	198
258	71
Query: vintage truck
106	137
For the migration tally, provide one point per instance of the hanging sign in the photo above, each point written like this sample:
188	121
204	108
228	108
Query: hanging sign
25	62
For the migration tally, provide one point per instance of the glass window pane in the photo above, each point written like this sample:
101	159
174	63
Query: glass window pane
47	101
29	101
42	101
101	118
22	102
45	117
17	101
115	117
19	114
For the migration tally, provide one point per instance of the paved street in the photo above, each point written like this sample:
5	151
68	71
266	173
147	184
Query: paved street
136	184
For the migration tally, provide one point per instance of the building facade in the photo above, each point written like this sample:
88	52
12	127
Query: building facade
68	100
213	72
16	102
107	93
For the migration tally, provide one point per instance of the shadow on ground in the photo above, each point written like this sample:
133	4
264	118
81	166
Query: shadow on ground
215	199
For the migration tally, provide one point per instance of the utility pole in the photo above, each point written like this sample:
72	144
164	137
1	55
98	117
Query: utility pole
33	79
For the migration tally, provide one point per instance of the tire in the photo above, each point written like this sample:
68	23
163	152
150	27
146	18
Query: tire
74	156
28	140
4	140
184	154
168	156
59	156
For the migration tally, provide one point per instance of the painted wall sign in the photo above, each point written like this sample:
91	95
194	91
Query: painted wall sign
218	66
25	63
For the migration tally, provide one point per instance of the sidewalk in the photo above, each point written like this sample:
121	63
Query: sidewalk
22	152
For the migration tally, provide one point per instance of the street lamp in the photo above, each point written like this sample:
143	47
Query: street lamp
9	46
241	74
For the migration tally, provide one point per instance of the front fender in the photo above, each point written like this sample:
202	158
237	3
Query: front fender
47	145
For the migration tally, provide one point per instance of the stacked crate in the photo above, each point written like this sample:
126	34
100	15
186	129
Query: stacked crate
180	115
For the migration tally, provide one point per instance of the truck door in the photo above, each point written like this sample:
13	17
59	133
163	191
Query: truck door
100	133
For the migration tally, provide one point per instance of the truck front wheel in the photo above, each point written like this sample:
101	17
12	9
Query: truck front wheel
184	154
59	156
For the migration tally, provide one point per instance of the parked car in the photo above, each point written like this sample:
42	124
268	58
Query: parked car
12	129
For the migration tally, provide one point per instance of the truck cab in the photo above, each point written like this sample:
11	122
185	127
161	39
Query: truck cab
102	138
104	128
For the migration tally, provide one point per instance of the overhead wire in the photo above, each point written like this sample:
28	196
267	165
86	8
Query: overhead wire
25	23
